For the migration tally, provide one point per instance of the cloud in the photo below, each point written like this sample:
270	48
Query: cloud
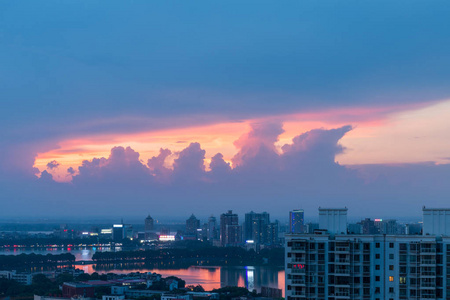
258	145
190	163
52	165
71	171
156	164
303	174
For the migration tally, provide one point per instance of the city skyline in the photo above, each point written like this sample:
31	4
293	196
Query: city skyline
108	110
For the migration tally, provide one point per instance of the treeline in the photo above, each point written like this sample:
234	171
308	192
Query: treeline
52	240
195	256
27	260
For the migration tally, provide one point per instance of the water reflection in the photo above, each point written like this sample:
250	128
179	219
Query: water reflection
250	277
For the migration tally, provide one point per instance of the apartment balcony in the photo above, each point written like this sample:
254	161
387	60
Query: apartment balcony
298	260
342	261
427	250
298	249
341	250
341	272
297	271
298	281
428	286
294	293
428	262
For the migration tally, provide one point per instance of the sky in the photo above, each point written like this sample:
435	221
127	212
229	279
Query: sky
172	108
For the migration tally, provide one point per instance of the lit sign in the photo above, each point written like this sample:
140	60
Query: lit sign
298	266
106	231
378	220
249	241
166	238
118	225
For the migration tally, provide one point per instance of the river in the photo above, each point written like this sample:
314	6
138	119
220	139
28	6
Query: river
210	277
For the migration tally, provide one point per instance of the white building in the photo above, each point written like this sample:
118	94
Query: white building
376	267
334	220
22	278
436	221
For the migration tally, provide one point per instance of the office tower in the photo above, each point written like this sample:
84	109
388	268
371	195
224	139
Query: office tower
148	227
296	221
118	232
272	234
368	226
376	267
230	231
148	224
192	224
255	227
334	220
212	229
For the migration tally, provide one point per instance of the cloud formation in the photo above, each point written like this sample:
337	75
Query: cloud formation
302	173
52	165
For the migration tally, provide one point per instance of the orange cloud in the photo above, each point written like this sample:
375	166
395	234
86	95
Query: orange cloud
377	129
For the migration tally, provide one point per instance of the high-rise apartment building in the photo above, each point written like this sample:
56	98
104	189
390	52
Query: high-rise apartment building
192	224
296	221
335	266
212	229
148	227
230	230
255	227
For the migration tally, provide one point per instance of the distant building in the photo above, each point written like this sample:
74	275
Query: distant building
22	278
118	232
270	292
213	230
230	231
368	226
255	227
436	221
77	289
272	234
296	221
192	224
334	220
148	224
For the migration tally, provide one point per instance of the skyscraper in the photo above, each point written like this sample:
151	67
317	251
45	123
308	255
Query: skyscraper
296	221
148	226
192	224
212	229
255	227
230	231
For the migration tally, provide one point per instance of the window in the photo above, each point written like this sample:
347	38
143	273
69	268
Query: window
391	245
391	267
377	256
377	290
391	278
377	278
391	290
377	267
391	256
377	245
402	280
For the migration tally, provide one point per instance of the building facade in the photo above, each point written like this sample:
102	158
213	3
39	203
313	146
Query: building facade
296	221
256	227
230	230
334	266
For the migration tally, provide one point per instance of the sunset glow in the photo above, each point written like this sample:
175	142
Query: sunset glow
380	135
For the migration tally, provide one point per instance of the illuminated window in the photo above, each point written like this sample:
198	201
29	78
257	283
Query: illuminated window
391	278
402	280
